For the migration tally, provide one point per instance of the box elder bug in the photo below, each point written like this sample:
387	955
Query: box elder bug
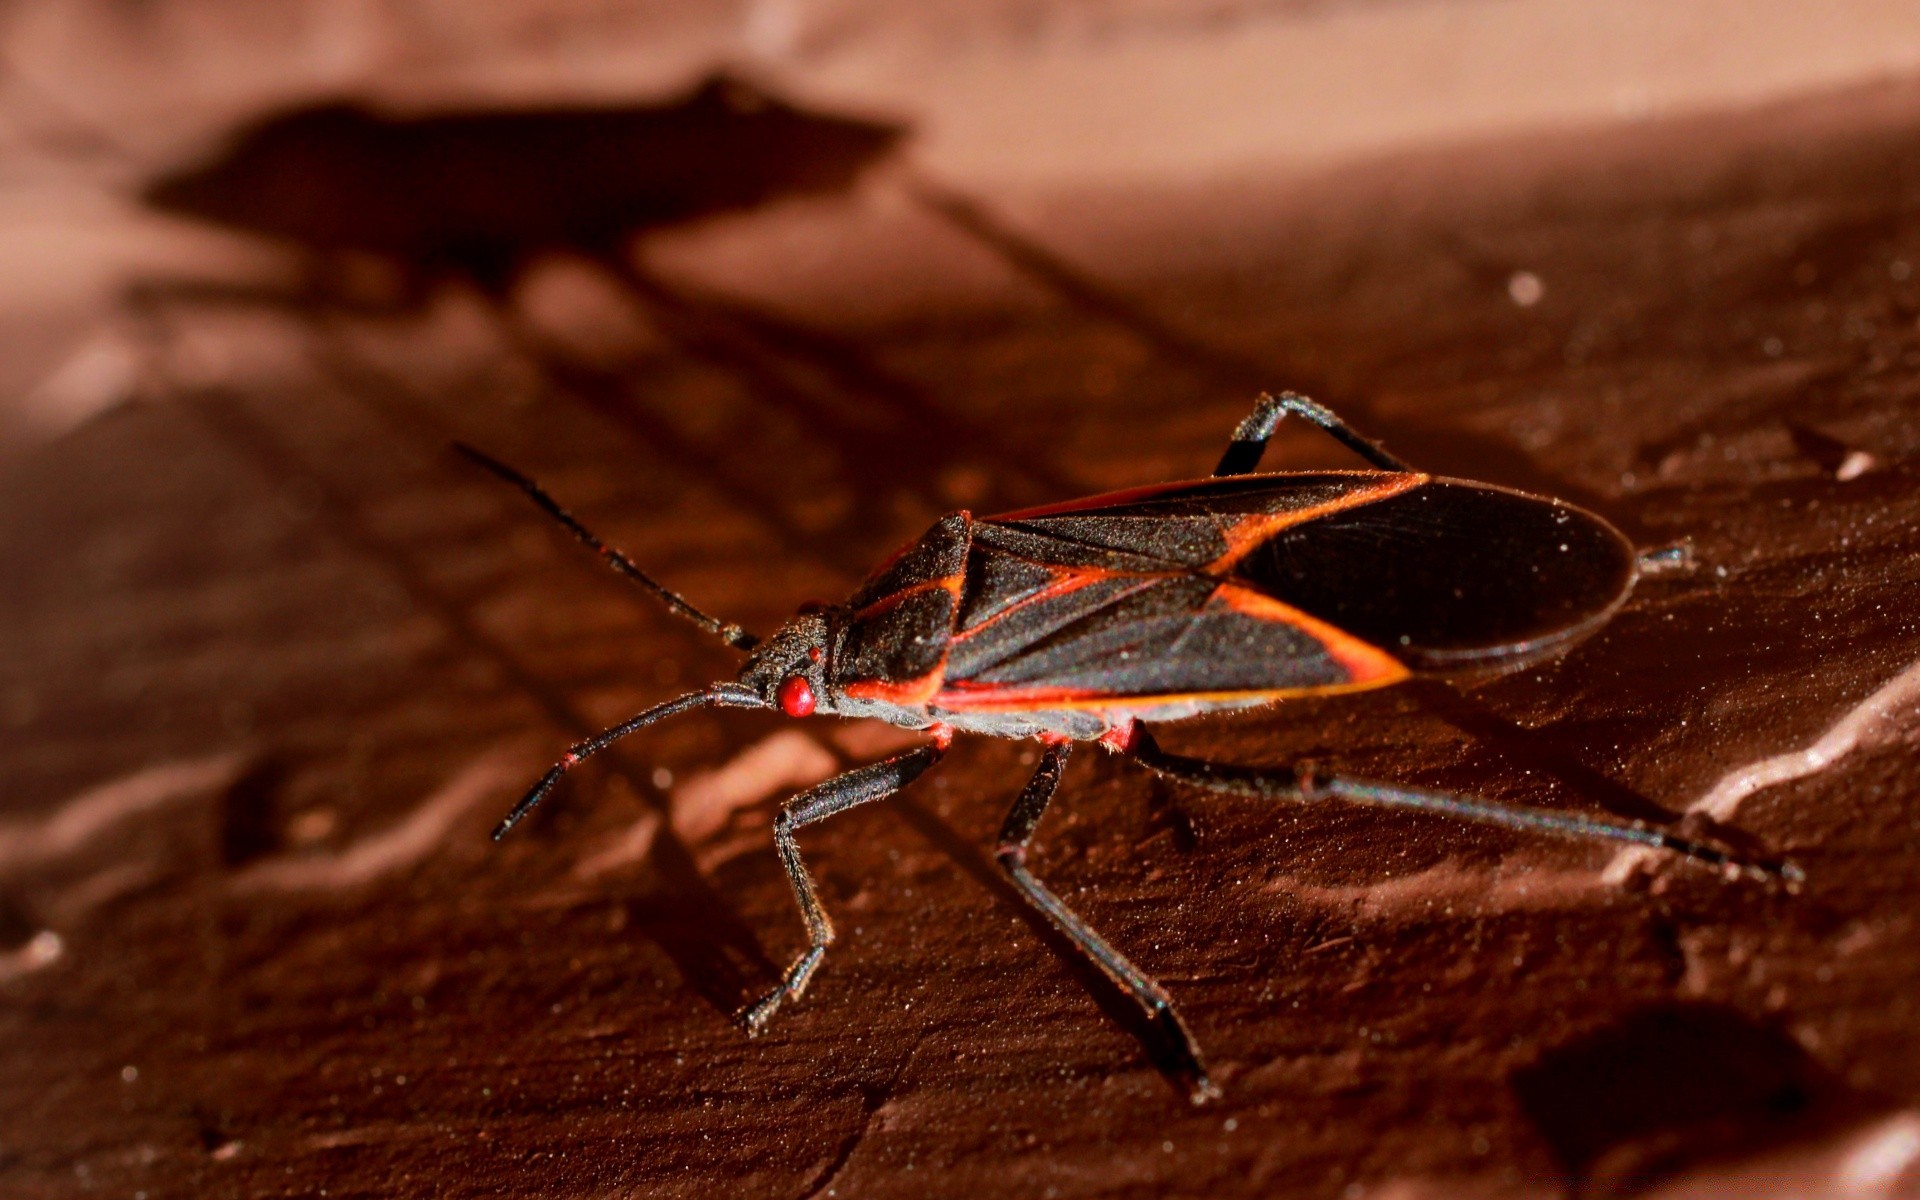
1079	621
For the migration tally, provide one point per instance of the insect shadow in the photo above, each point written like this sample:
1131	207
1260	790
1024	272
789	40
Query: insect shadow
379	210
1163	1048
1672	1086
251	813
480	195
1533	749
714	949
1235	372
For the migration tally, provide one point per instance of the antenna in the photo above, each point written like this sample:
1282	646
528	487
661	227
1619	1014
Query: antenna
719	695
727	632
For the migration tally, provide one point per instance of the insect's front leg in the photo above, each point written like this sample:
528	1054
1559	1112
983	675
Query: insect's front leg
1250	437
875	781
1021	821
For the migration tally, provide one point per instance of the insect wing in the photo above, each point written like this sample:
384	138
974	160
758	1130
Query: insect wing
1451	574
1272	585
1203	525
1144	641
1129	601
895	646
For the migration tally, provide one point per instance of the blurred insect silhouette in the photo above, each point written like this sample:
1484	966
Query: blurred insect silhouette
1079	621
479	195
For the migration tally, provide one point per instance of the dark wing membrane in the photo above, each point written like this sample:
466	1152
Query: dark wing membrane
1273	584
998	582
1169	636
940	552
1070	598
1041	634
1130	595
1181	525
895	653
1451	573
894	646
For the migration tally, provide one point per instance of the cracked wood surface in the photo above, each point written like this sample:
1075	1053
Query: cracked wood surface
274	661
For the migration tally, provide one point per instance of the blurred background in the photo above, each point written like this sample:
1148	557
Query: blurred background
1077	121
761	288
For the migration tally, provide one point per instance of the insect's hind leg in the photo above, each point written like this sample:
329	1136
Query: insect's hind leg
1307	784
1250	436
1011	853
876	781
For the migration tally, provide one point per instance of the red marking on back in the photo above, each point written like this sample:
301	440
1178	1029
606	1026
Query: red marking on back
1103	500
893	560
1048	737
1121	738
1244	535
1149	491
942	735
948	583
1066	581
906	692
963	695
1364	663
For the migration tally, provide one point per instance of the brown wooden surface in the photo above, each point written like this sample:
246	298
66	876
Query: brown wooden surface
272	661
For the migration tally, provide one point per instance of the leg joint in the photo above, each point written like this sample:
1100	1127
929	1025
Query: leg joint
1259	424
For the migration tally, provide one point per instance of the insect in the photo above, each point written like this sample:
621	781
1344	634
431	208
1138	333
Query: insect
1078	622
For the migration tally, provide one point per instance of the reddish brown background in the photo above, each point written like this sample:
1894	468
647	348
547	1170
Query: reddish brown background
272	660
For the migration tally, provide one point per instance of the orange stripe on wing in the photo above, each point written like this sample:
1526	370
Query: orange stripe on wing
996	698
1064	508
1067	580
1366	665
1247	533
920	688
893	560
892	600
910	692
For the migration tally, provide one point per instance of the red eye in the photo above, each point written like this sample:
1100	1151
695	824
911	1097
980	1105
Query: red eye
796	696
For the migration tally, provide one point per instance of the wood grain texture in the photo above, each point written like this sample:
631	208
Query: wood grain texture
274	660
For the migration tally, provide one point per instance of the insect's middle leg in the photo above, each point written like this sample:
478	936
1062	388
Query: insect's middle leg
1021	821
876	781
1250	437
